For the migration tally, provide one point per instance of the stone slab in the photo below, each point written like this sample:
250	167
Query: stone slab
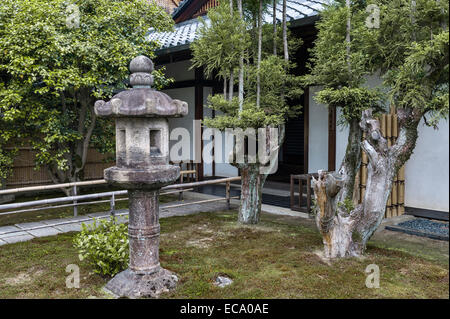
40	232
74	219
99	214
69	227
18	237
6	229
74	225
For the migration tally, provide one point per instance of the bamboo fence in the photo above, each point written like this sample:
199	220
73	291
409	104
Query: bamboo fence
396	202
24	172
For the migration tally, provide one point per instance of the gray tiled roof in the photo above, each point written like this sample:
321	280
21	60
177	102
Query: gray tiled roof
186	32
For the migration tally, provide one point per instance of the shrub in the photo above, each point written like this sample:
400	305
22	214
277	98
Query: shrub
104	246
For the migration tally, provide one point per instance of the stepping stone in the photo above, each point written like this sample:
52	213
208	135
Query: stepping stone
100	214
75	224
40	232
7	229
69	227
13	234
105	216
17	237
75	219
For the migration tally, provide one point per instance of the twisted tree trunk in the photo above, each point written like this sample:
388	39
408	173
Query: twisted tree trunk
76	157
346	229
253	178
251	194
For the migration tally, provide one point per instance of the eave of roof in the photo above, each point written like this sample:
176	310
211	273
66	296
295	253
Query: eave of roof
299	13
181	7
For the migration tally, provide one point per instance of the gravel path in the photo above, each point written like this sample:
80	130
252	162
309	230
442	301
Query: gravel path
423	227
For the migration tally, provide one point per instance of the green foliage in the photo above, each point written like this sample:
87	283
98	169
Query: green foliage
411	47
294	43
422	82
330	65
347	205
250	117
6	162
104	246
221	41
52	71
273	110
278	86
352	100
218	49
409	51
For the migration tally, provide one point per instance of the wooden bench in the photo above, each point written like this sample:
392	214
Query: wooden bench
304	190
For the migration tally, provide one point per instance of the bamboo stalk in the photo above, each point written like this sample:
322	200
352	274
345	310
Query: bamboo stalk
401	174
394	125
394	193
364	175
401	193
363	192
388	127
383	124
388	212
364	158
394	210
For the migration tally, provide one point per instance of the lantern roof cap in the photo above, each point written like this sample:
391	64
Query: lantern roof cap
141	100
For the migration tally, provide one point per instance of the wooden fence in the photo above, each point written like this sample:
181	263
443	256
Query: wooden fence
25	174
396	202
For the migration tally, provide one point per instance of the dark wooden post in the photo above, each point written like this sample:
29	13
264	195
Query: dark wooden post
331	138
199	116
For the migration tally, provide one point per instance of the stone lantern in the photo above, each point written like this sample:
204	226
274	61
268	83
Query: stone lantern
142	159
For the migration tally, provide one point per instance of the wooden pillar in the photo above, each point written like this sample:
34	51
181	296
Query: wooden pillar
331	138
306	131
199	114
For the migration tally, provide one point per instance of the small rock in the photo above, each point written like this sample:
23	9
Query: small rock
222	281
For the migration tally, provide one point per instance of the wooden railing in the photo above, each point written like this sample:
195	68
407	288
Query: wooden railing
73	201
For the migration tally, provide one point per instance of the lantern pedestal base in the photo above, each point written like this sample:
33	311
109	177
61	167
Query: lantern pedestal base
130	284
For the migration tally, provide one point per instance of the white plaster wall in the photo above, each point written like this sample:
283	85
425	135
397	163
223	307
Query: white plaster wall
427	171
318	134
207	113
187	95
222	168
342	130
179	70
341	140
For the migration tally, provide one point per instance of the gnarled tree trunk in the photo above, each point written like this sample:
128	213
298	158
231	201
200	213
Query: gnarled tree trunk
347	229
76	157
253	178
251	194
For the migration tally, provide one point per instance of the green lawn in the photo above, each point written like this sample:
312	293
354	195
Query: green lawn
275	259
